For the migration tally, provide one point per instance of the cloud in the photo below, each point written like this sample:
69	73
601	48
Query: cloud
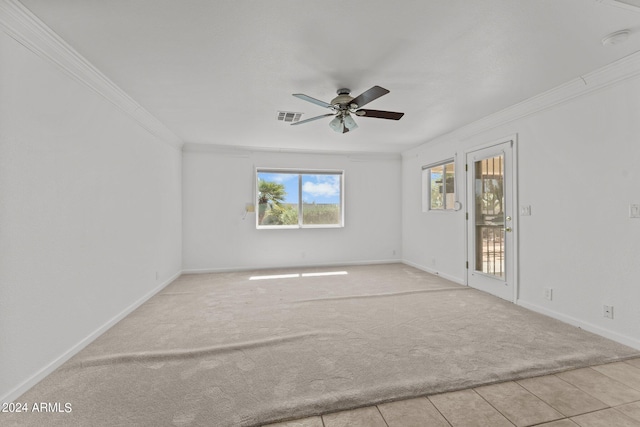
282	177
327	186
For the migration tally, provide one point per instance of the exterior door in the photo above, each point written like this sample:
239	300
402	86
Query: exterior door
490	220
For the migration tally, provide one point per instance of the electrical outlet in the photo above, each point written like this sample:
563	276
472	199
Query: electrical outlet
607	311
548	293
634	211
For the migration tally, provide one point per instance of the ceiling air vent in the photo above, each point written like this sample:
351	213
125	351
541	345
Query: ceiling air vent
288	116
627	4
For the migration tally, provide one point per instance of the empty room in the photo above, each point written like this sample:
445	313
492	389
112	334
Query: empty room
320	214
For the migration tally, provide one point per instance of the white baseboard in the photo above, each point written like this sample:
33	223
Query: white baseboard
19	390
289	266
614	336
435	272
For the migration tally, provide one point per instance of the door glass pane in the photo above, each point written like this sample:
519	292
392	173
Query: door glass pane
489	216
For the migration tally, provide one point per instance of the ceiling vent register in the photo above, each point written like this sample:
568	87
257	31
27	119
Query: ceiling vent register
288	116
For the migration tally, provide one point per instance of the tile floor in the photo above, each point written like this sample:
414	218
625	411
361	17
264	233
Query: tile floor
606	395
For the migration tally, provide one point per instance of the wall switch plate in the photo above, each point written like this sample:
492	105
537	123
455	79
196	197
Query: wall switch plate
634	211
548	293
525	210
607	311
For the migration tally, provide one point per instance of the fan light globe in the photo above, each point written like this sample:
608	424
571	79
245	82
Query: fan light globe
336	124
349	123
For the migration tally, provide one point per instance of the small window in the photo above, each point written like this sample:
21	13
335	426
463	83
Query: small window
296	199
438	186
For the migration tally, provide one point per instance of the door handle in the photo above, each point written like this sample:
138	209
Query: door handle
507	229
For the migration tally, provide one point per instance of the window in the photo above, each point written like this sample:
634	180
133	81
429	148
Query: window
294	199
438	186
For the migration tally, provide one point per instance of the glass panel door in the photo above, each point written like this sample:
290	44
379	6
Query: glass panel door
491	227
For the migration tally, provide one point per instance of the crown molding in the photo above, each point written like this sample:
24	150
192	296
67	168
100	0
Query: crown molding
27	29
248	151
620	70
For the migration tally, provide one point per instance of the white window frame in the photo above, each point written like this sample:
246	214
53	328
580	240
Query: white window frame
300	173
426	186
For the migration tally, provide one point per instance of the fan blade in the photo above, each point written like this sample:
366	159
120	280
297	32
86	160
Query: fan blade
391	115
369	95
312	119
313	100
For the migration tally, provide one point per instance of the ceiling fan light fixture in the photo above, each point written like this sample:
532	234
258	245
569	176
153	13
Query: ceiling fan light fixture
344	106
336	124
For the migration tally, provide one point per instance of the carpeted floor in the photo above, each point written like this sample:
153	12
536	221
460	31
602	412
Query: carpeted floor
225	350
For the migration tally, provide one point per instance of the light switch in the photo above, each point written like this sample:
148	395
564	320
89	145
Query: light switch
525	210
634	211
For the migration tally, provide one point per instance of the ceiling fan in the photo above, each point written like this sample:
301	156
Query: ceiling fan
344	105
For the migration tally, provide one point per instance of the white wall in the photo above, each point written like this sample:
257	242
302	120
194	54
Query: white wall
579	169
90	215
217	185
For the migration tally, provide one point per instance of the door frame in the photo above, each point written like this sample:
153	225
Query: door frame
513	139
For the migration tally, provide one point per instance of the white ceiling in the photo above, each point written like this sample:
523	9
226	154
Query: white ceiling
217	72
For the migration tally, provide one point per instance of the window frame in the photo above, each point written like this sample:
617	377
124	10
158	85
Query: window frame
427	202
300	173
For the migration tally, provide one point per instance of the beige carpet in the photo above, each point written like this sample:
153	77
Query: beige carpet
224	350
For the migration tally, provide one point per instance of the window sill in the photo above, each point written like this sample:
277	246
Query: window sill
297	227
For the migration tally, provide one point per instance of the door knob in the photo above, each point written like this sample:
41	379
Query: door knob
507	229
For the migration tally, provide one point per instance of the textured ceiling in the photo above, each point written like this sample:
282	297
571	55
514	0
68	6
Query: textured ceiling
217	72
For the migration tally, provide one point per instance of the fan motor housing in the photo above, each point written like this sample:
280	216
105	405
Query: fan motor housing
343	100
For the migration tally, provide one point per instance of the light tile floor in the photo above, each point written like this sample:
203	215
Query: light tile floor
599	396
